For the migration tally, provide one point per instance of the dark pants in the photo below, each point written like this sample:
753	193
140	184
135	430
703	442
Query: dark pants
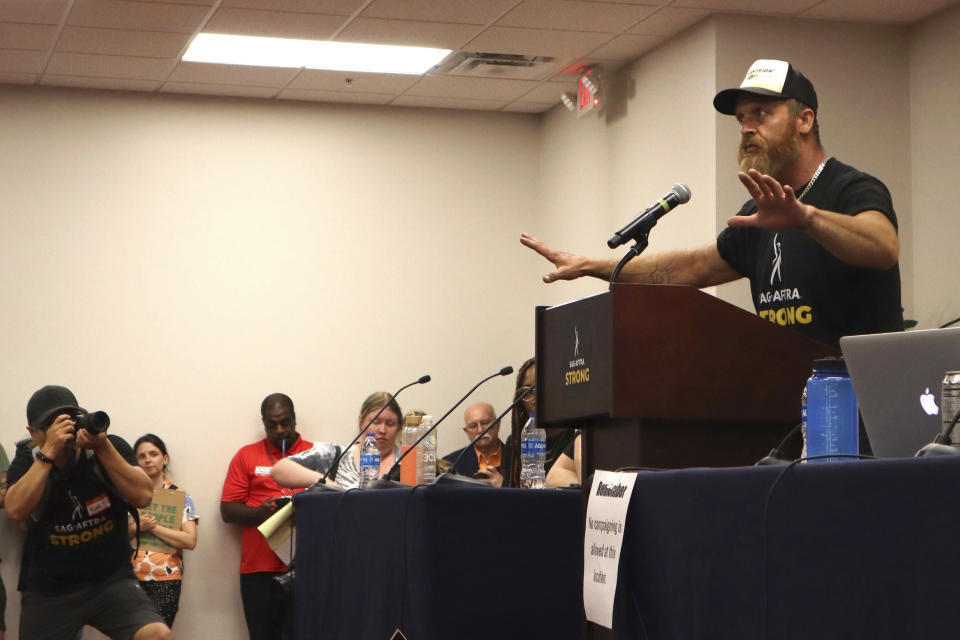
267	608
165	595
3	607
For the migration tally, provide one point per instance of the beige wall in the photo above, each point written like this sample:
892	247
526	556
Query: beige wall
935	156
598	173
173	260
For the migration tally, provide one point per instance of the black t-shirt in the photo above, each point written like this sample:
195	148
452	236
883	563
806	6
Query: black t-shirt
797	283
570	451
80	537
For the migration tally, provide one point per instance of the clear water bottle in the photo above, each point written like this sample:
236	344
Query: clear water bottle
803	422
369	461
427	456
533	454
832	417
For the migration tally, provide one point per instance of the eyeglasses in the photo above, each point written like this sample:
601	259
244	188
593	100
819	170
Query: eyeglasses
524	392
479	424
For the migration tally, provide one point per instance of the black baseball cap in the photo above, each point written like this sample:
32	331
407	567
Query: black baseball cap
769	78
49	401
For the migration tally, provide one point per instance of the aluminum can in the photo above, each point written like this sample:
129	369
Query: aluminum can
950	402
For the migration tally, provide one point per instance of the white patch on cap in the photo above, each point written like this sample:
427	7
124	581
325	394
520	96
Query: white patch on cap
766	74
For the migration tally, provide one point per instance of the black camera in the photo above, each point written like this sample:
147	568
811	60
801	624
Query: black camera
95	422
286	580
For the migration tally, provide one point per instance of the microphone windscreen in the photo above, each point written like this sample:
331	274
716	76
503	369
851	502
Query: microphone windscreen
506	370
682	191
424	379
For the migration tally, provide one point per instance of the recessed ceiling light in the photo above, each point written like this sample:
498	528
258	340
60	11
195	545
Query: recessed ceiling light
220	48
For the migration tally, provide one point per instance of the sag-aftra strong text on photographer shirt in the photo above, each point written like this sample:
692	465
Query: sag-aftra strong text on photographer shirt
80	537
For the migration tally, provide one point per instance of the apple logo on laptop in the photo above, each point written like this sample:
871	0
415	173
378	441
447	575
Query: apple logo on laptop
929	403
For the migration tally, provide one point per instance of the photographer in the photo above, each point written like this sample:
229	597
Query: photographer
73	496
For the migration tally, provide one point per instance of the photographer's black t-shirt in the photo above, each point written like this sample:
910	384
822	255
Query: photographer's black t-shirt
797	283
80	537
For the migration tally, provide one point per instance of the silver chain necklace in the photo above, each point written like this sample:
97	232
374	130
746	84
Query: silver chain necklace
812	180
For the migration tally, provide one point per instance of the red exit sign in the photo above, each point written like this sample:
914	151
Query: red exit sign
587	93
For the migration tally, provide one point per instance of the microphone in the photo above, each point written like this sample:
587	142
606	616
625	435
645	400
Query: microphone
321	484
773	458
451	475
641	225
941	445
384	483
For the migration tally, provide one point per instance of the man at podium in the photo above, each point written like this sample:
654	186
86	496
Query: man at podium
817	239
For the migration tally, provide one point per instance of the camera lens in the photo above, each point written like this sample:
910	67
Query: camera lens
95	423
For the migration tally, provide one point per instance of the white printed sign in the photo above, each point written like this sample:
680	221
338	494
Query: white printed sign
606	520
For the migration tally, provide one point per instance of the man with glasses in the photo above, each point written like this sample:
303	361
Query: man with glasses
817	240
485	459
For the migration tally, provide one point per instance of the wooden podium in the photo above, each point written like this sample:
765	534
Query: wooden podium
667	376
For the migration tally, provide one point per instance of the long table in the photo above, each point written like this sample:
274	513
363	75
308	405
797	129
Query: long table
439	562
846	550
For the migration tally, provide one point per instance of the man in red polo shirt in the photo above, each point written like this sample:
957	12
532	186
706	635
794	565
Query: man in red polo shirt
249	497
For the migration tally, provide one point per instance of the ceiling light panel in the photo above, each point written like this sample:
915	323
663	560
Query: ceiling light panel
312	54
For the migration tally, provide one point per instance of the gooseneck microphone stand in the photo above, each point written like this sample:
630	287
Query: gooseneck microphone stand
451	475
773	458
638	247
385	482
321	484
639	228
942	444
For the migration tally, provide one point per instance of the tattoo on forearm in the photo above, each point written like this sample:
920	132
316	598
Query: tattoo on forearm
661	273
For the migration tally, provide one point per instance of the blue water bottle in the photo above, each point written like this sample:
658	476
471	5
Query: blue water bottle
832	417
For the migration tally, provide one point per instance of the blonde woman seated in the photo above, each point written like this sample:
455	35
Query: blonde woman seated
305	468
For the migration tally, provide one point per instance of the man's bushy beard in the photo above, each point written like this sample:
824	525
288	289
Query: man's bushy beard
774	157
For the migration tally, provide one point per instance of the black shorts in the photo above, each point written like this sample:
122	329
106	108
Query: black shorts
117	607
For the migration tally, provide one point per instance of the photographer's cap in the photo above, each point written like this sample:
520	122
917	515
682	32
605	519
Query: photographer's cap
48	401
775	78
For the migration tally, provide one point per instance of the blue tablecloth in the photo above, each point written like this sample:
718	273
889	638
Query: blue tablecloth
439	562
863	549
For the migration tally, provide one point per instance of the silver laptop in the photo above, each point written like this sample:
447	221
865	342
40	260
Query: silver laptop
897	377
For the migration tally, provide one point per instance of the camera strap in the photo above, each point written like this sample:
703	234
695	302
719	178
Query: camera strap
56	475
114	493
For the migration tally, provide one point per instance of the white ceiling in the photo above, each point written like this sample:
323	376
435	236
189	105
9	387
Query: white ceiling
136	44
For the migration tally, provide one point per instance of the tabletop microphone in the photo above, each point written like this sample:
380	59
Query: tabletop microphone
451	475
679	194
384	482
942	444
321	484
773	458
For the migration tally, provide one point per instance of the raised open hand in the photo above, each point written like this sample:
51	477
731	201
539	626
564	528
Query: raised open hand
777	205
